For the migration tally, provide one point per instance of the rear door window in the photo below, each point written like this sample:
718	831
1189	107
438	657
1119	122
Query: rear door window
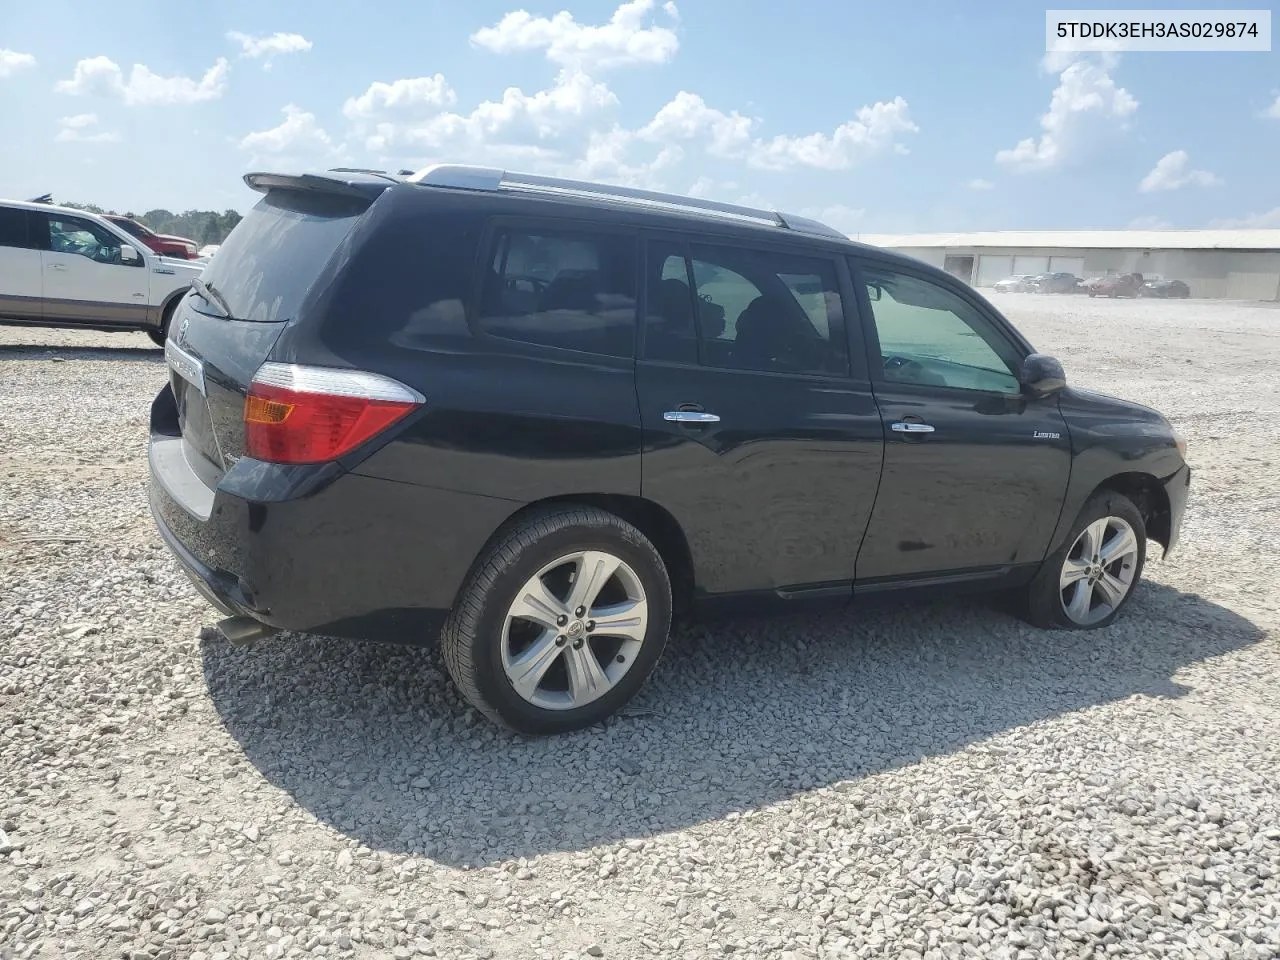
768	310
669	331
567	288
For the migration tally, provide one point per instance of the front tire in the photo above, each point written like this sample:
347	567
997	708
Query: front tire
1085	584
560	622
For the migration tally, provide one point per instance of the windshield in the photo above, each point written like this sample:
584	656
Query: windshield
130	227
273	257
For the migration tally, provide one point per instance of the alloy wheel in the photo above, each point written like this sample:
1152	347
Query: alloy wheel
574	630
1099	569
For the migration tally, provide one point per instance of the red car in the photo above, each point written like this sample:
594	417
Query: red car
1125	285
162	243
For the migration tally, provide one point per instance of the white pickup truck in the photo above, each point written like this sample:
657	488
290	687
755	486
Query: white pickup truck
61	267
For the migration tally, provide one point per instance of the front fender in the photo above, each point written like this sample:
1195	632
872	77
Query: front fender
1114	442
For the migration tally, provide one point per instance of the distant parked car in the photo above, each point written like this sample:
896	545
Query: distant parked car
1018	283
208	250
165	244
1165	288
1124	285
67	268
1055	283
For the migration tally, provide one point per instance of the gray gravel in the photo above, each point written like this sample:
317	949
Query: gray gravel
918	783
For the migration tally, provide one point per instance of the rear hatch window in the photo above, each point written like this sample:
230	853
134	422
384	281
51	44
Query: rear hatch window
274	255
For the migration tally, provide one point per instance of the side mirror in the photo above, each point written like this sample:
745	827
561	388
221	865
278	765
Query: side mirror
129	254
1042	375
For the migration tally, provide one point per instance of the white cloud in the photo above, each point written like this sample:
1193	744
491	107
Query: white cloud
707	187
298	133
876	128
977	183
1085	99
605	160
1273	111
1171	173
1256	221
755	200
514	121
838	215
102	75
625	39
567	128
267	48
11	62
407	93
687	117
1055	61
83	128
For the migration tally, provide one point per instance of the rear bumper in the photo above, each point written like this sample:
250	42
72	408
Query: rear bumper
317	550
1177	487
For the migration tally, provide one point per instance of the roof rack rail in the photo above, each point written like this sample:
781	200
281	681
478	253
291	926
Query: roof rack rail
467	177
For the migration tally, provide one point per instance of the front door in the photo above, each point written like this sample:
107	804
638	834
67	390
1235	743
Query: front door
759	439
974	471
85	277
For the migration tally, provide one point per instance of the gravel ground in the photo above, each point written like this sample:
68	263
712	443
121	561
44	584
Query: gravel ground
934	782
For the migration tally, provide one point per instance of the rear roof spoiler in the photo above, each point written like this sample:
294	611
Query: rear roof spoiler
366	185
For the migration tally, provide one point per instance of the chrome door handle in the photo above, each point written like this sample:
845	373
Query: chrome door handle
911	428
690	416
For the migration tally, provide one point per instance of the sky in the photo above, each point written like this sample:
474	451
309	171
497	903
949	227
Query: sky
901	117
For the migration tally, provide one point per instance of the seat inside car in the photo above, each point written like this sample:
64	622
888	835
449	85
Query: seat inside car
764	334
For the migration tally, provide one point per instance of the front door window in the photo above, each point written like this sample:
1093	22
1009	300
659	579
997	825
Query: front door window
930	336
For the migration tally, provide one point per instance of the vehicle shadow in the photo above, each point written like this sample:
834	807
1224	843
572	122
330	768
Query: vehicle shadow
41	351
372	740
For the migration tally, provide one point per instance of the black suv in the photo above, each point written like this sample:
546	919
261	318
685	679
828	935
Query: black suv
534	417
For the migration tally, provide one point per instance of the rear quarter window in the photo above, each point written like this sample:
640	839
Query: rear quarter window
567	288
13	228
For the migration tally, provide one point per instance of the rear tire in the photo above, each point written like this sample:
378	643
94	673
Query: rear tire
560	622
158	337
1087	582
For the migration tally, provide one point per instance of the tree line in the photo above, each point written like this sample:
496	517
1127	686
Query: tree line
202	226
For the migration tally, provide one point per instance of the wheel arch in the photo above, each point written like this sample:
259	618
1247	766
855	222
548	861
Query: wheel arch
662	529
169	305
1151	499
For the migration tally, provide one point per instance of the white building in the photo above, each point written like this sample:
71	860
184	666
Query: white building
1230	264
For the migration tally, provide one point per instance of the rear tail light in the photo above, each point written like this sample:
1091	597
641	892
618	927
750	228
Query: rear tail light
299	414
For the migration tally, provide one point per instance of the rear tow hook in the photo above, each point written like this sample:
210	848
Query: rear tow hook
242	631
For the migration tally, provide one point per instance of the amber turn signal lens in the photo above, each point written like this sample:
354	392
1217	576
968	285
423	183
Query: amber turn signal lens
262	410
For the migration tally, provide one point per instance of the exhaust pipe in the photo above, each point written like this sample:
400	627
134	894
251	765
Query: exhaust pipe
244	631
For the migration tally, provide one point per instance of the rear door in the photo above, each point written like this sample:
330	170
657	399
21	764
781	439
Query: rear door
86	279
761	437
974	471
21	281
